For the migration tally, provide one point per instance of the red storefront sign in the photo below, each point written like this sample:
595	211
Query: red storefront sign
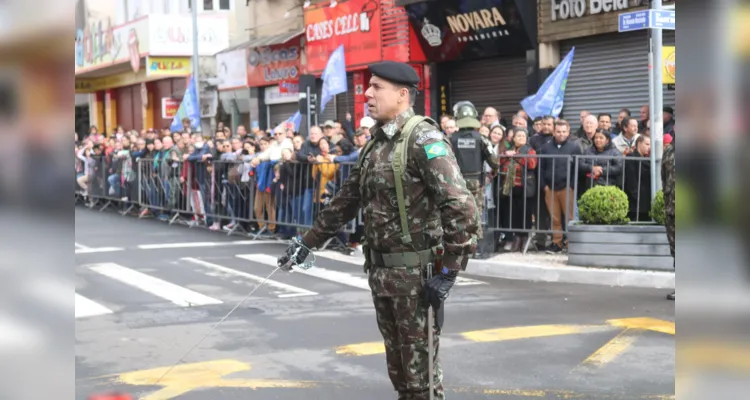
353	23
267	66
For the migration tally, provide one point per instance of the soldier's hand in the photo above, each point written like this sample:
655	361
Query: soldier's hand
295	254
438	288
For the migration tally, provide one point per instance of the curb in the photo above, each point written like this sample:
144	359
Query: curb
570	274
541	273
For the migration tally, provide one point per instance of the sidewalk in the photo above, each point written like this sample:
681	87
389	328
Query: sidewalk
554	268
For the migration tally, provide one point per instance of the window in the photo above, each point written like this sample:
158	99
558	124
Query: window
212	5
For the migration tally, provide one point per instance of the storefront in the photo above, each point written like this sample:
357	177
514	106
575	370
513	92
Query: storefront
231	71
370	31
273	69
134	73
610	69
480	50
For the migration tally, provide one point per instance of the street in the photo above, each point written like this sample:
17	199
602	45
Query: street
147	292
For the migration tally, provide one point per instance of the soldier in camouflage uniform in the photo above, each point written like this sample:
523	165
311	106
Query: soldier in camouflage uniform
472	150
668	178
439	214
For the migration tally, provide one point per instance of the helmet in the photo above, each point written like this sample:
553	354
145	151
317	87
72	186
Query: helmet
466	115
464	109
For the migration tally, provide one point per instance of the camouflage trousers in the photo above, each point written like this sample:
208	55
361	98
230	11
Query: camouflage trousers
671	233
477	190
401	314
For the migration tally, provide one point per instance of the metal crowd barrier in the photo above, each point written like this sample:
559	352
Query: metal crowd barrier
285	197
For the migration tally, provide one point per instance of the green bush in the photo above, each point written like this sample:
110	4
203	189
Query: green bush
657	209
604	205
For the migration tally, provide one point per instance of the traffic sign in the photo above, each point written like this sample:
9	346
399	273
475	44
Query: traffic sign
662	19
646	19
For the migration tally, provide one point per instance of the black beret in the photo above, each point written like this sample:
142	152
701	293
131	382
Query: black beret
395	72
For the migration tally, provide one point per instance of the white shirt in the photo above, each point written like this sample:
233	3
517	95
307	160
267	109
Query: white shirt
273	152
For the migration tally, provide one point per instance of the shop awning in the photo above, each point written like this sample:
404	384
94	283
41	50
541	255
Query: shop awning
262	41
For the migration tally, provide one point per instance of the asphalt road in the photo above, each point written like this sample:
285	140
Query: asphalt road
147	292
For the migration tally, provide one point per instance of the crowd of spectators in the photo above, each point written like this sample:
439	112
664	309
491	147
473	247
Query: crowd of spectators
274	183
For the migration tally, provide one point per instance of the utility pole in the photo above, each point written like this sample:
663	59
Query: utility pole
657	102
196	59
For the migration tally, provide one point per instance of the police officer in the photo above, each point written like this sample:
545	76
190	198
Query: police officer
409	216
472	151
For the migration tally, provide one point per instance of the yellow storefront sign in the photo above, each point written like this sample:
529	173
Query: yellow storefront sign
168	66
669	63
108	82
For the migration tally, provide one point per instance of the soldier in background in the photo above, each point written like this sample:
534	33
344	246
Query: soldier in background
472	150
438	214
668	177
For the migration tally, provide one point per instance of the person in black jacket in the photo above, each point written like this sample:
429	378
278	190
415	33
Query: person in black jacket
302	205
556	175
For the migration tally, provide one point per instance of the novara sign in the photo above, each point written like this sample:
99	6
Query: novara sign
343	25
568	9
476	20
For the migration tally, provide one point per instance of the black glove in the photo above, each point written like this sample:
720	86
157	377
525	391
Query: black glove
438	287
296	254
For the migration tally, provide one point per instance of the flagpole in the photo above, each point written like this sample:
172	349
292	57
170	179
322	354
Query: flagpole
196	58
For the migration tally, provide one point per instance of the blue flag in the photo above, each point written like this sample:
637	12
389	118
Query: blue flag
548	100
189	107
334	77
296	119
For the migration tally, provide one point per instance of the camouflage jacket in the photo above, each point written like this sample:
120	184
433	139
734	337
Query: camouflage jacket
440	211
668	177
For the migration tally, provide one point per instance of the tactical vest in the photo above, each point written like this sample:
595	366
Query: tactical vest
400	154
467	145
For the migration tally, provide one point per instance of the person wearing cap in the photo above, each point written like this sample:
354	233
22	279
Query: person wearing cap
329	128
668	178
472	151
440	214
367	123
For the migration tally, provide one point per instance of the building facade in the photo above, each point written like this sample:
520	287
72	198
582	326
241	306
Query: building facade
258	73
483	51
610	69
133	62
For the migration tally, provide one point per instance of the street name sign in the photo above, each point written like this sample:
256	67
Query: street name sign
646	19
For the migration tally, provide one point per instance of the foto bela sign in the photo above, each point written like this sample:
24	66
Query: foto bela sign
568	9
354	24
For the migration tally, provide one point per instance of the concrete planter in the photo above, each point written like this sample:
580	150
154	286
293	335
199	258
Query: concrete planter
634	246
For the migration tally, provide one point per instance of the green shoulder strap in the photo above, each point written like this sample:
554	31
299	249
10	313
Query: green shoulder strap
399	167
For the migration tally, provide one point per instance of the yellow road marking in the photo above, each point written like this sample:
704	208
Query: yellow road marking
528	332
362	349
188	377
645	323
611	350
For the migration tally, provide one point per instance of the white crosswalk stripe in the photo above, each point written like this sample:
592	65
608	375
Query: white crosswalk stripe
332	255
89	308
110	288
318	272
176	294
284	290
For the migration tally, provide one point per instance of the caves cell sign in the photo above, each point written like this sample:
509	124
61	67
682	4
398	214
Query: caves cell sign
271	65
355	24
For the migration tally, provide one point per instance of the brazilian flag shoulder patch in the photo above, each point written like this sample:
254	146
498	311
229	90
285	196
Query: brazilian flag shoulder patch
437	149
